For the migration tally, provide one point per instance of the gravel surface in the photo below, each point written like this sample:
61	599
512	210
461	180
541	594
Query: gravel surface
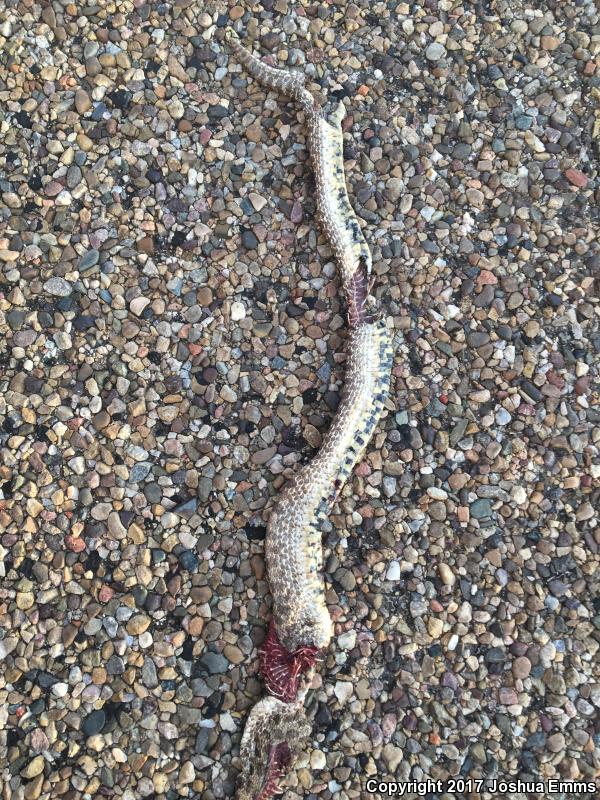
171	348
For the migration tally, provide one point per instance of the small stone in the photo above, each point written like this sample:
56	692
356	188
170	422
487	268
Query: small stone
343	690
435	51
556	743
393	571
214	663
146	245
58	287
481	509
187	773
576	177
35	767
94	722
115	526
38	740
89	260
25	600
297	213
394	189
347	640
238	311
249	240
550	42
507	696
82	101
138	624
138	304
446	575
258	202
475	197
519	495
521	667
503	417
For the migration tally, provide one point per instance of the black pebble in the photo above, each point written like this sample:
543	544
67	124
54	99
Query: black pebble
120	98
94	722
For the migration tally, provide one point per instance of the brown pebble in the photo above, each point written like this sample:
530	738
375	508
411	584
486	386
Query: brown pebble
521	667
205	296
146	245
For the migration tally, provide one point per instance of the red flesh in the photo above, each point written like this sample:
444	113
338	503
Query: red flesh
280	758
281	669
358	291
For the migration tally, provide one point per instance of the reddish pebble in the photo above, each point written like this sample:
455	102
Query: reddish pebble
486	278
577	178
105	594
205	136
74	543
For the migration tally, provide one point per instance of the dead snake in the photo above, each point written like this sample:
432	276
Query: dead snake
301	626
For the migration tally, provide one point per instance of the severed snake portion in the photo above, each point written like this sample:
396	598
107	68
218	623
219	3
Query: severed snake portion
301	626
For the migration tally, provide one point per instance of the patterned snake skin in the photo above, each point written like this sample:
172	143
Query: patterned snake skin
301	625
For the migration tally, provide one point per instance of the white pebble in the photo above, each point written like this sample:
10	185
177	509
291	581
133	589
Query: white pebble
238	311
519	495
227	722
77	465
393	571
347	640
343	691
138	304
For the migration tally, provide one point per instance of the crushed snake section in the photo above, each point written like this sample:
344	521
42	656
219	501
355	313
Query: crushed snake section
301	626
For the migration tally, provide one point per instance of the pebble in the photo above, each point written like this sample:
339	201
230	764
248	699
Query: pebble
521	667
82	101
343	691
94	722
138	304
393	571
58	287
446	575
238	311
435	51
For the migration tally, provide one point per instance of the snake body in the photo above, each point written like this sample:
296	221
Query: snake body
301	625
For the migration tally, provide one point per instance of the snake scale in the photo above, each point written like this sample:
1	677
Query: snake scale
301	626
